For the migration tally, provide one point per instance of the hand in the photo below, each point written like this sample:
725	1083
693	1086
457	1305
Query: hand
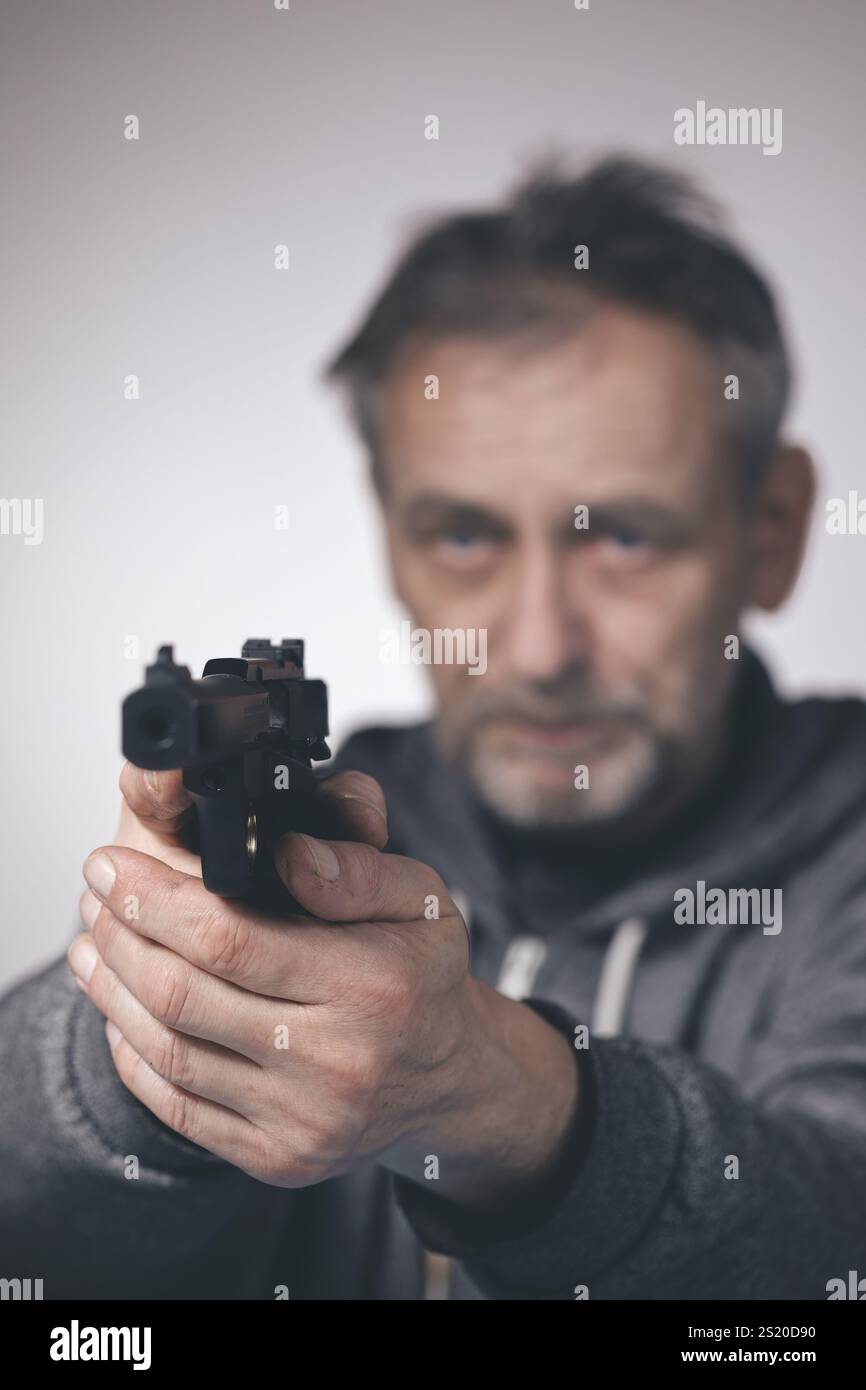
295	1049
156	817
156	814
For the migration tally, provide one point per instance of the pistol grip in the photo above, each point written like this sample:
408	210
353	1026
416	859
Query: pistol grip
237	839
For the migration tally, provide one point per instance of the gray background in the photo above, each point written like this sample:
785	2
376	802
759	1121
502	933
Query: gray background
156	257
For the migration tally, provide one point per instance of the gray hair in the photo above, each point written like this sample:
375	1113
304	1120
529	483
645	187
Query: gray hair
654	244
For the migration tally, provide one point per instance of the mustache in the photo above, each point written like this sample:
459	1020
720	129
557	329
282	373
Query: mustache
580	707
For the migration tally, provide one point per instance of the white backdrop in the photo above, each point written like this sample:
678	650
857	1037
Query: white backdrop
155	257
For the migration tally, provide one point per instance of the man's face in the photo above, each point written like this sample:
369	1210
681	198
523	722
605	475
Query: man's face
605	645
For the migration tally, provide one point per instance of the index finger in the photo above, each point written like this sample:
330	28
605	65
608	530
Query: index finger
222	936
158	799
351	806
340	882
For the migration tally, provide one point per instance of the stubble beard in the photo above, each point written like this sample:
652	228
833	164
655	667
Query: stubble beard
633	778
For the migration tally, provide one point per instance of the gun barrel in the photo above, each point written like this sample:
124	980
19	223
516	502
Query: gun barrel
193	723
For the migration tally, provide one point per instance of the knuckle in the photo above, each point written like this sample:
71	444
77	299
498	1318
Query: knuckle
169	996
263	1147
282	1164
324	1142
225	941
393	993
318	1144
357	1076
370	872
172	1058
181	1114
260	1161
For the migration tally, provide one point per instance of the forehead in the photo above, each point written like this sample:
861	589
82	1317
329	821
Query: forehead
627	404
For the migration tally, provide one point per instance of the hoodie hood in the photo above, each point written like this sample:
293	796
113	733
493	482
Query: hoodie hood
792	776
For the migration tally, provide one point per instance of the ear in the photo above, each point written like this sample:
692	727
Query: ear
779	525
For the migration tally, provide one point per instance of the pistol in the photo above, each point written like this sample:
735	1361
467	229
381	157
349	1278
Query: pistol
246	735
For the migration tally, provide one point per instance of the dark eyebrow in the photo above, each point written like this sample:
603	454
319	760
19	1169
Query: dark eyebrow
642	514
664	525
429	509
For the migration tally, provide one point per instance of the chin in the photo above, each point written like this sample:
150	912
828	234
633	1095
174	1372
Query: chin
538	793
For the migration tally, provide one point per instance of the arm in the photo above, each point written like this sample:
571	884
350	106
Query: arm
650	1213
71	1139
99	1198
396	1054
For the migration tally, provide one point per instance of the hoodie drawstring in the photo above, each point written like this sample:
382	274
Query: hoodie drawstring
523	959
616	980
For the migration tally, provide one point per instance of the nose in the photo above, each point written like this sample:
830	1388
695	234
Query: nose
543	632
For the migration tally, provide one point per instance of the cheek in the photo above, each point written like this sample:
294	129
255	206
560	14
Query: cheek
414	582
451	685
435	600
663	630
436	596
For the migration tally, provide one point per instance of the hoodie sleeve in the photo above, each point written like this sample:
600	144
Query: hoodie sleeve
655	1211
98	1198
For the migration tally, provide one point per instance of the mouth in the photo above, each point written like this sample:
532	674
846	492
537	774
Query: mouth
551	737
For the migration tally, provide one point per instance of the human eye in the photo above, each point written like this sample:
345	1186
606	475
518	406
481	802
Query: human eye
620	544
463	545
461	537
626	538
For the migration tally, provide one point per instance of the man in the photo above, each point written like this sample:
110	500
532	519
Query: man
572	409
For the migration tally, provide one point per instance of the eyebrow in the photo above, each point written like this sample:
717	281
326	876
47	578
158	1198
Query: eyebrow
428	509
431	508
643	514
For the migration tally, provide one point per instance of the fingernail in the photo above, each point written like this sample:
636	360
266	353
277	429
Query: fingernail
90	909
99	874
325	861
83	956
113	1033
151	781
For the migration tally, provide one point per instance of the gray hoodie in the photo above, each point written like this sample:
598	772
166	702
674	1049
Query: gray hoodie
722	1144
